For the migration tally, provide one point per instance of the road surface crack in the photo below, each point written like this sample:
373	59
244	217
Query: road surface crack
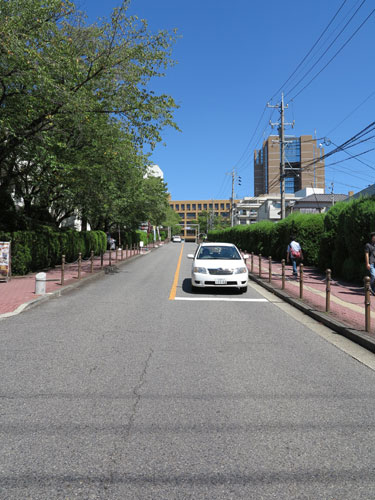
119	444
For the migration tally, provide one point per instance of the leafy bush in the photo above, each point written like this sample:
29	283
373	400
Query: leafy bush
334	240
43	247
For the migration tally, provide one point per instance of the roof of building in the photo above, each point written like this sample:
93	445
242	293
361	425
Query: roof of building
322	198
369	191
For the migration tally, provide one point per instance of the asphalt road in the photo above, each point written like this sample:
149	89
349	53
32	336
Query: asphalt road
114	391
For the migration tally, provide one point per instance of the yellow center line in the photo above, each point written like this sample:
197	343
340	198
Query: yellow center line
172	295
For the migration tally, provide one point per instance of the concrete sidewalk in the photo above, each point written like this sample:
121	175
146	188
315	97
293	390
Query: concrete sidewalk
19	292
347	305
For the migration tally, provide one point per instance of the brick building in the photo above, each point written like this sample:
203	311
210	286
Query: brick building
303	166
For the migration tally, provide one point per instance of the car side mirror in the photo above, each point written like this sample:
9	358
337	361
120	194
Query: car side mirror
190	256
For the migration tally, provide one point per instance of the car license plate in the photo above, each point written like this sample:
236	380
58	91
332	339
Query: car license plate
220	282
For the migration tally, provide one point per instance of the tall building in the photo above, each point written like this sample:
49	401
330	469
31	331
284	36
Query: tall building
303	165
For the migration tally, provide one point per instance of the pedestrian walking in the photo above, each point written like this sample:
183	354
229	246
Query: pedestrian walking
294	254
112	244
370	261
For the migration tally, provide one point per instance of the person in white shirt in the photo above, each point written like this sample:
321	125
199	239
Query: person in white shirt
294	254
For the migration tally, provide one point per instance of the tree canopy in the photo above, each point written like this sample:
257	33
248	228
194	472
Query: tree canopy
77	110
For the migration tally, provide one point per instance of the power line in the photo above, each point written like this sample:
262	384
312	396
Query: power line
309	52
333	57
352	141
327	49
351	113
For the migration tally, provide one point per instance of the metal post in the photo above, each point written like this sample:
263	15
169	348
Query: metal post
110	257
367	304
101	260
260	265
328	290
122	253
269	269
301	281
62	269
79	265
116	256
92	261
252	261
283	274
126	251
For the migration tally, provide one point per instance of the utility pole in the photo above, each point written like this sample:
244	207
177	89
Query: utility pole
281	129
232	200
233	174
332	195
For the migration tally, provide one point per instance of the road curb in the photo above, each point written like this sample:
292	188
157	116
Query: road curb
66	288
357	336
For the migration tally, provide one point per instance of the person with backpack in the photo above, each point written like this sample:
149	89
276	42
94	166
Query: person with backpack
294	254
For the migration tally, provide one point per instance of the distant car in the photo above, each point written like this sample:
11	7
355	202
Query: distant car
218	265
176	239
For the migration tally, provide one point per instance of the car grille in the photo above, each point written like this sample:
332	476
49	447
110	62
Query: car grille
230	283
221	272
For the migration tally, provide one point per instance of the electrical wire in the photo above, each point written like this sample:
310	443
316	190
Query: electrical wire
333	57
327	49
351	113
309	52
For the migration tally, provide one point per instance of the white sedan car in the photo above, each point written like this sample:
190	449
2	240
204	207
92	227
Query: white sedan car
176	238
218	265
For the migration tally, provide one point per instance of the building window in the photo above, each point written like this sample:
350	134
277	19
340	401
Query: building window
177	206
216	206
199	206
190	215
224	214
221	206
216	214
205	206
289	185
194	206
292	150
228	206
210	206
182	206
188	206
182	215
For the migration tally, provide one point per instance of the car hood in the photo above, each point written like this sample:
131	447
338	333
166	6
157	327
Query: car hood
218	263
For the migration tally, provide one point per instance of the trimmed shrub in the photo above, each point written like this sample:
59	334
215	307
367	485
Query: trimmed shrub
43	247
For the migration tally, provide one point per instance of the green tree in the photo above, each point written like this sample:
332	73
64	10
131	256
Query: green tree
172	220
65	87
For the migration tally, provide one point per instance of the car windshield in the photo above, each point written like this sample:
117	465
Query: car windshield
219	252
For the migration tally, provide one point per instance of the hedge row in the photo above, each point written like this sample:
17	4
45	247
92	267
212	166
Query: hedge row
43	248
334	240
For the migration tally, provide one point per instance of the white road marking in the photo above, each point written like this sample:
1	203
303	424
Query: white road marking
223	299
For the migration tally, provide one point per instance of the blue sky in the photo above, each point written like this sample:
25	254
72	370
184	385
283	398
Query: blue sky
232	57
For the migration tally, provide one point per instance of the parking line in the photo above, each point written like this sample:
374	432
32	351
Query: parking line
223	299
172	294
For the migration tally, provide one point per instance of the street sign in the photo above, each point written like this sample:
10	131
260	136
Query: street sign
5	270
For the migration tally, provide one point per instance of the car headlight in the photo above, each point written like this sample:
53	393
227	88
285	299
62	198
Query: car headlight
201	270
240	270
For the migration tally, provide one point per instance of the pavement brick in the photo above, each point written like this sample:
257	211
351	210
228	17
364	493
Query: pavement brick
347	303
